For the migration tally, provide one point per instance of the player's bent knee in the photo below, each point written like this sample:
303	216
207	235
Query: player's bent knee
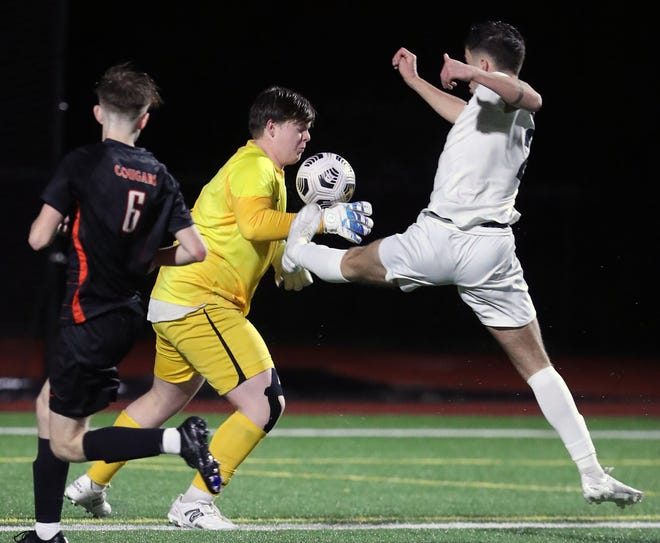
363	264
67	451
275	396
352	263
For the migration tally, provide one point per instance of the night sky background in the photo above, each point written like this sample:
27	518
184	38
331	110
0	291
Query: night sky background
587	238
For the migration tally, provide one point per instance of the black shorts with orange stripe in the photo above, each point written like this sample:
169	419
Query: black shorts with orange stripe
83	371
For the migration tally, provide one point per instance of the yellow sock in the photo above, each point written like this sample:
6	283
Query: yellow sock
234	440
102	472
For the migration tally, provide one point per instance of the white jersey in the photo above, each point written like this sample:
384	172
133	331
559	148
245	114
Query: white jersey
483	160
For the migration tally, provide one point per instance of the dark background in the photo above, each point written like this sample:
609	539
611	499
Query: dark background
588	233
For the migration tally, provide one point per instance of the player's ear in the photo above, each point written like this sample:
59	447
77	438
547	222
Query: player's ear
142	121
270	127
98	114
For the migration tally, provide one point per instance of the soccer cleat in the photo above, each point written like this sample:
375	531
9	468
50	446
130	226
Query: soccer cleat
198	514
81	492
32	537
195	451
608	489
302	230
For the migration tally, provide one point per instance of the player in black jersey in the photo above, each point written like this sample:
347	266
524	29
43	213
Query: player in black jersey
119	204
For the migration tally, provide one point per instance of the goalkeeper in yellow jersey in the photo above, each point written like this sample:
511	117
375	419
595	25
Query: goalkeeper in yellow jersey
198	312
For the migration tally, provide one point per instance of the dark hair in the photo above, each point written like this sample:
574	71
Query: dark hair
123	89
501	41
278	104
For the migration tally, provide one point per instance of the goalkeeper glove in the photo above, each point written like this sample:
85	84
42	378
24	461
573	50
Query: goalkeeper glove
295	280
349	220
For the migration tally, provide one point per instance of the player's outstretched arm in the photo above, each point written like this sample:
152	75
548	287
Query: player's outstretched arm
515	92
448	106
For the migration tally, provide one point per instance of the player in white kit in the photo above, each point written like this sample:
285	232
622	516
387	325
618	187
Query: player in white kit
463	237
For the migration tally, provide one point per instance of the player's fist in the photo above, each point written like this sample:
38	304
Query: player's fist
295	280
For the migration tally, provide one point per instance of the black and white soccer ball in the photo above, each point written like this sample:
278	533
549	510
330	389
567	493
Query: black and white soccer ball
325	179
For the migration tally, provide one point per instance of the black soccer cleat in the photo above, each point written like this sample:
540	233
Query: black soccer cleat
32	537
195	451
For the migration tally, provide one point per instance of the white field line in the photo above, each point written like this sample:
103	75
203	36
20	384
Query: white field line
481	433
281	527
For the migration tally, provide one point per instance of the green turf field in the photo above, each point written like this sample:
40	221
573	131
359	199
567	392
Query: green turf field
384	479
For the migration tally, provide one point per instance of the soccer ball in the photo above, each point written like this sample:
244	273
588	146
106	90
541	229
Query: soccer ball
326	179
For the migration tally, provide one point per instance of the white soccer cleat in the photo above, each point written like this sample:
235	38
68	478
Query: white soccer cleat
303	228
198	514
81	492
608	489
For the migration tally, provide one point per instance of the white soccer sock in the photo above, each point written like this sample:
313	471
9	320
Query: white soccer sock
96	487
47	530
194	494
322	261
557	404
171	441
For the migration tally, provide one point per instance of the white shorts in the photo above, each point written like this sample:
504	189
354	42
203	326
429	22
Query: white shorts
481	262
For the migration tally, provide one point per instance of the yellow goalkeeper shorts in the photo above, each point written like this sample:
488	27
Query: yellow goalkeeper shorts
217	342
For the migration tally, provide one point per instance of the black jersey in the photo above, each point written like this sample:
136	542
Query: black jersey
122	203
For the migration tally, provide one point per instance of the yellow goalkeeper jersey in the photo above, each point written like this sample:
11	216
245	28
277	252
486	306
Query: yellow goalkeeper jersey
241	214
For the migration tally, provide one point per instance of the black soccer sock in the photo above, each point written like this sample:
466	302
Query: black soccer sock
49	479
115	443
